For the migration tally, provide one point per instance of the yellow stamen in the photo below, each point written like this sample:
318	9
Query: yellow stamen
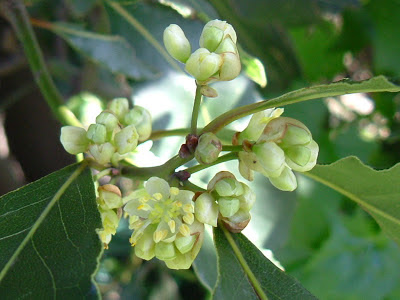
188	218
171	225
178	204
159	235
174	191
184	230
188	208
157	196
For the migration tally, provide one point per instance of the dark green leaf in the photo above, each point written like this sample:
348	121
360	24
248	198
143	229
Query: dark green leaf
113	52
245	273
378	192
48	240
79	7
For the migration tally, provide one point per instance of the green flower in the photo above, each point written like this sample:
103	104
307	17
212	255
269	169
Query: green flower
164	225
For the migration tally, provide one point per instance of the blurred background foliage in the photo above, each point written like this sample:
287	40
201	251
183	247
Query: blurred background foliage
97	50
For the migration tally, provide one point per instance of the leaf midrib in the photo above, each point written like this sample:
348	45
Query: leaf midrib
353	197
42	217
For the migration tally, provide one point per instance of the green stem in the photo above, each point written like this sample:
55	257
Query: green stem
196	109
223	158
16	13
232	148
158	134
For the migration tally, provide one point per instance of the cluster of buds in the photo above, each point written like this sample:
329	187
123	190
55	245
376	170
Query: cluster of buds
164	225
109	202
275	146
217	59
115	134
226	199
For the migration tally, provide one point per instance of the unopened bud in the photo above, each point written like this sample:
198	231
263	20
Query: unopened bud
211	36
231	66
208	149
119	106
74	139
108	119
228	206
126	140
247	199
302	158
286	181
227	45
176	43
270	158
109	196
202	64
228	187
97	133
238	221
141	118
206	209
102	153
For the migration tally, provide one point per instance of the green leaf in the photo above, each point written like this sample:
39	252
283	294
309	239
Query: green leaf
245	273
48	240
378	192
253	68
80	8
112	52
374	84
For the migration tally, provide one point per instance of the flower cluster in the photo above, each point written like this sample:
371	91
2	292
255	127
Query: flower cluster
115	134
164	224
274	146
217	59
227	199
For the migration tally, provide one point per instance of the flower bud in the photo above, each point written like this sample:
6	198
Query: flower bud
97	133
108	119
74	139
119	106
206	209
126	140
202	64
302	158
208	91
286	132
211	36
227	45
257	124
109	196
176	43
247	199
102	153
286	181
238	221
270	157
141	118
208	148
231	66
228	206
228	187
246	160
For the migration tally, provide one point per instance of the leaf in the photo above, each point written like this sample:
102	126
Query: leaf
48	243
205	264
80	8
374	84
245	273
253	68
378	192
111	51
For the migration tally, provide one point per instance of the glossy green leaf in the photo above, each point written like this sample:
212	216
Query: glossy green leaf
253	68
378	192
112	52
48	241
245	273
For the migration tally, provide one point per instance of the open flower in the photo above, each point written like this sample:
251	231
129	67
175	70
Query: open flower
164	225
